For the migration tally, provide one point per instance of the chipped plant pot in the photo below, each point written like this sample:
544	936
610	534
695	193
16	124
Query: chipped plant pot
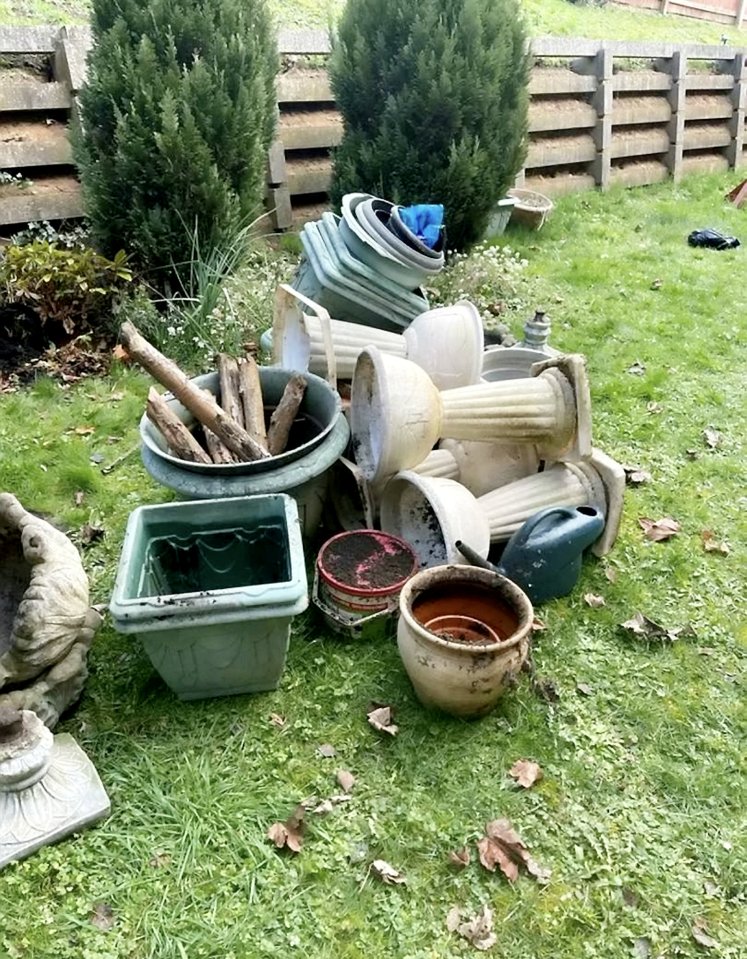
210	589
432	514
463	633
398	414
46	624
446	342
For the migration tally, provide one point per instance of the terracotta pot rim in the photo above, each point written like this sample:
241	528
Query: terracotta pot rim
479	576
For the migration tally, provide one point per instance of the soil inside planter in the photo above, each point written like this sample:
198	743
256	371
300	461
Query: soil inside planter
367	560
485	607
214	560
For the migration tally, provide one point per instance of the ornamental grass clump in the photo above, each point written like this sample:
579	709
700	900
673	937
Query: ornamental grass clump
433	95
176	118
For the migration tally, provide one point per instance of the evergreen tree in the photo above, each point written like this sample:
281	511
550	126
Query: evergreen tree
433	95
176	119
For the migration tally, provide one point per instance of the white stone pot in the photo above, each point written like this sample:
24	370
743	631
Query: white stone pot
483	467
462	633
432	514
398	414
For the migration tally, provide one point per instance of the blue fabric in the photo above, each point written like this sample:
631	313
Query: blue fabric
425	221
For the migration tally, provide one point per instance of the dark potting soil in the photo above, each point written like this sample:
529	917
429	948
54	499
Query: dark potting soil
367	560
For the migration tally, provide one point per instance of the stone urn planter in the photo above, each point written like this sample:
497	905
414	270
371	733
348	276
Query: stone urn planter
463	632
46	623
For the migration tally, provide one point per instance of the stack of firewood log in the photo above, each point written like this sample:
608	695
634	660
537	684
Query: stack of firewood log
234	424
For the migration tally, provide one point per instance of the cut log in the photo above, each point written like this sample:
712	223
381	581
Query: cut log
228	373
203	408
250	390
178	438
219	452
285	413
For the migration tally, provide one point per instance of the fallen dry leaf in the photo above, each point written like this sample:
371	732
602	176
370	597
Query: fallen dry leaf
710	888
640	625
636	369
503	847
692	454
159	859
591	599
636	475
700	935
380	717
277	720
84	430
289	833
327	805
327	750
121	354
642	947
478	930
90	534
345	779
653	407
116	396
584	689
712	438
526	773
712	545
656	284
658	530
460	857
546	689
387	874
538	625
103	916
79	496
611	573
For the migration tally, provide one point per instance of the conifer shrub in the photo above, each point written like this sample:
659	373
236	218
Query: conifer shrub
175	121
433	95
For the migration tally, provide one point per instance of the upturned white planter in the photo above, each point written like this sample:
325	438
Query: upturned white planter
482	467
398	414
432	516
446	342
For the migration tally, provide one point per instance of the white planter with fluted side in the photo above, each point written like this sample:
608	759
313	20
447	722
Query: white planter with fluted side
446	342
482	467
398	414
428	510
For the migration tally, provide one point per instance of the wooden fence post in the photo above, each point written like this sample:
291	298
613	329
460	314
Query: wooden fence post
735	152
603	101
676	128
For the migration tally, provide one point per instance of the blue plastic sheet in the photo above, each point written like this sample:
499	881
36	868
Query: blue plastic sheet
425	220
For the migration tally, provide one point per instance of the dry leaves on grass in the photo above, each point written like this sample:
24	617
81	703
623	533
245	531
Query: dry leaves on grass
700	935
640	625
591	599
103	916
289	834
345	780
90	534
460	858
327	805
636	475
712	545
478	930
503	847
712	438
277	720
327	750
387	873
380	717
637	369
658	530
526	773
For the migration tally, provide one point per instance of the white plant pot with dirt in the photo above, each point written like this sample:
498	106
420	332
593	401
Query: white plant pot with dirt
432	514
463	633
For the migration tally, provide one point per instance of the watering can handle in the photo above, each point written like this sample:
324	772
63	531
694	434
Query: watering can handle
538	518
326	326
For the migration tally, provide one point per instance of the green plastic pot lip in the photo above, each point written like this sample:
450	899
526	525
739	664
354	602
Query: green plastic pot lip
480	577
131	613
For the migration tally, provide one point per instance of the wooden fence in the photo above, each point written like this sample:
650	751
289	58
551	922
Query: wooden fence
600	113
731	13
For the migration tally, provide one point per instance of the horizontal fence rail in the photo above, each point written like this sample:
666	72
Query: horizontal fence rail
600	113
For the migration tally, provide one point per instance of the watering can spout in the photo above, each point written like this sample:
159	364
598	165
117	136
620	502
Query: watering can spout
474	557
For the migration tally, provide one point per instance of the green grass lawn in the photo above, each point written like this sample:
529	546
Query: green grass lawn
544	18
641	812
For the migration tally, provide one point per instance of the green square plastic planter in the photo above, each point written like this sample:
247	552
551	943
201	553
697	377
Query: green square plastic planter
210	588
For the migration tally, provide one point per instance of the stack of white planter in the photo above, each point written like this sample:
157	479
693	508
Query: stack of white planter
441	454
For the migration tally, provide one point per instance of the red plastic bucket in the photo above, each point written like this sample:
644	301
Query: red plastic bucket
359	576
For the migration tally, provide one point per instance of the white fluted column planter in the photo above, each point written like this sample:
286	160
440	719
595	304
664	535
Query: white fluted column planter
446	342
439	464
398	414
483	467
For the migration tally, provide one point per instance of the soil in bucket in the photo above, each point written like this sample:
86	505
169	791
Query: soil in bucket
367	560
466	613
215	559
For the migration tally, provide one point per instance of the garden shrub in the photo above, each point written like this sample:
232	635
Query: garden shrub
70	287
176	119
433	95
